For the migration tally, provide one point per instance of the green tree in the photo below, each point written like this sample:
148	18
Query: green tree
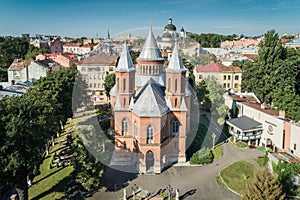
275	76
109	82
216	92
265	186
88	170
286	172
203	156
33	51
27	124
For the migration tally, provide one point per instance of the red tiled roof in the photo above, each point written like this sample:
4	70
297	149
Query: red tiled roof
244	98
100	59
257	106
211	67
18	64
217	67
72	44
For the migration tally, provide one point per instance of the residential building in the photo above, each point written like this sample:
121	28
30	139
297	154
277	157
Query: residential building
150	110
77	48
229	77
25	70
63	59
49	45
94	69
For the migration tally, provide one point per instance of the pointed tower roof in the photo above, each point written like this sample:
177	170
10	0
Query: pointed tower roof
125	62
150	50
150	101
176	64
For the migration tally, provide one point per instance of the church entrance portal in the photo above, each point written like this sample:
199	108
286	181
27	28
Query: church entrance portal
149	162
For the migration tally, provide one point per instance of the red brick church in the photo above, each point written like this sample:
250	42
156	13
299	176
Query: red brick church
150	110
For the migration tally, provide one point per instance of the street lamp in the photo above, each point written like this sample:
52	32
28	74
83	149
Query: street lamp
214	139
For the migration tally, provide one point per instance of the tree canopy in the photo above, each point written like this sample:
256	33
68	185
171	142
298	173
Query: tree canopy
29	122
275	76
109	82
264	186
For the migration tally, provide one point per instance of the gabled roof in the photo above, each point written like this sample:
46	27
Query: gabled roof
100	59
19	65
125	62
150	50
150	101
217	67
176	64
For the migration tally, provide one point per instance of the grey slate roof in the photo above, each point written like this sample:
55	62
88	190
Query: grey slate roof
141	80
150	101
125	62
244	123
150	50
176	64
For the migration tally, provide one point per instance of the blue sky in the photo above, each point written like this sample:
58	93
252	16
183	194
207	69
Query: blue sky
77	18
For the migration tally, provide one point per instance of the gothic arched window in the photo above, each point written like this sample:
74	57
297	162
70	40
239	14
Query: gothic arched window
124	127
124	84
149	134
175	127
176	82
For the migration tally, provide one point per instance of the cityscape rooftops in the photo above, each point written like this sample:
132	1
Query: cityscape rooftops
19	64
100	59
217	67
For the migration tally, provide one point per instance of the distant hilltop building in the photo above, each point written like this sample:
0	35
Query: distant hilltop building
150	110
169	36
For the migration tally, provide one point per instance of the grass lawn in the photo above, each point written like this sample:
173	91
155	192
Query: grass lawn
50	183
217	151
219	181
236	175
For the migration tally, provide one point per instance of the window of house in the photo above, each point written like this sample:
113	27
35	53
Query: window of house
83	69
111	69
95	85
228	85
124	127
91	85
164	132
228	77
175	103
124	102
224	78
176	82
149	134
200	76
295	146
236	78
169	84
175	127
124	84
224	85
236	85
118	83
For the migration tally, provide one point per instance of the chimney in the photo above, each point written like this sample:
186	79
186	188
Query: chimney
282	113
262	106
12	82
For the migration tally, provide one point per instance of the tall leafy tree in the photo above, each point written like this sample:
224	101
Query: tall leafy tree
264	186
109	82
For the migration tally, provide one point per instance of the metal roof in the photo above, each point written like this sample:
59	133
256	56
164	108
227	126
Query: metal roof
150	50
125	62
150	101
176	64
244	123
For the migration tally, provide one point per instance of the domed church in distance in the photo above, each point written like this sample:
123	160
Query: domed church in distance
150	109
169	36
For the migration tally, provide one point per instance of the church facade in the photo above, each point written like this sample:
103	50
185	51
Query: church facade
150	110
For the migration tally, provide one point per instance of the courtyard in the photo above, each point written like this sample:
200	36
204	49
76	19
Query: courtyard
193	182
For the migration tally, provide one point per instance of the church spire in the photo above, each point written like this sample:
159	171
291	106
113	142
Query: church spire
150	50
125	62
176	64
108	34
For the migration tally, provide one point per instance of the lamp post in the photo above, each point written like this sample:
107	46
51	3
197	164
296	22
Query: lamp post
214	139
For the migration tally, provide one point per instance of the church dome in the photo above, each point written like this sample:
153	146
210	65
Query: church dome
167	35
170	26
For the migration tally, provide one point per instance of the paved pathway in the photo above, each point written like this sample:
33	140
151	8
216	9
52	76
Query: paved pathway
201	179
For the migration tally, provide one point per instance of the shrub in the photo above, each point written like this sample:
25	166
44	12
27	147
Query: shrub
241	144
203	156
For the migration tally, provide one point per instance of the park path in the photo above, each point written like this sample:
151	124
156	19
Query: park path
201	179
